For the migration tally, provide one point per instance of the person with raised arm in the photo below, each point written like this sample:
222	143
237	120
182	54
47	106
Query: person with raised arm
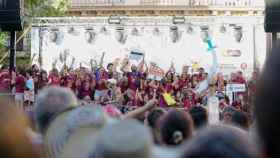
207	79
207	83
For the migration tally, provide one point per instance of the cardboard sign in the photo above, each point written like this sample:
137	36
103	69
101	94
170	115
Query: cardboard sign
155	72
135	58
236	88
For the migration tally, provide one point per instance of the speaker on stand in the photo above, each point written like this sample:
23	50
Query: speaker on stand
11	20
272	18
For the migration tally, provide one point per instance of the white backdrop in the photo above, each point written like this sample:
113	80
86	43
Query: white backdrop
160	49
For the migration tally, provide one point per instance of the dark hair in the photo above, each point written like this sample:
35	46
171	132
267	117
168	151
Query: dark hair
220	142
154	116
267	100
199	115
240	119
175	127
152	120
110	64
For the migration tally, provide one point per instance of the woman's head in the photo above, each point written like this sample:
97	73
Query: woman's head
169	76
175	127
220	142
87	77
154	116
55	72
44	74
184	76
240	119
110	67
86	85
199	115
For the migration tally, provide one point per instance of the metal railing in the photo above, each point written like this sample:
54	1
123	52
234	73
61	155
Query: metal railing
226	3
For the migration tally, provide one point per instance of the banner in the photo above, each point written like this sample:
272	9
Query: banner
236	88
135	58
155	72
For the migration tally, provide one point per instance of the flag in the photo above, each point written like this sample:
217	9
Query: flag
210	45
169	99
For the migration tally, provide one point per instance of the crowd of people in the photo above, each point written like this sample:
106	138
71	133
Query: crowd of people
101	112
131	87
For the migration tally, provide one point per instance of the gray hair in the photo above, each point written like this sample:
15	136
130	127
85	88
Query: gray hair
51	101
125	139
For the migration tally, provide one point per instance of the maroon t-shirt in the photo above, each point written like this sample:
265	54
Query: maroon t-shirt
168	87
101	85
20	84
134	80
4	81
84	93
55	80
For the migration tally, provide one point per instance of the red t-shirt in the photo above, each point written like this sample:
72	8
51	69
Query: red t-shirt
188	104
183	83
101	85
168	87
84	93
20	84
134	80
4	81
55	80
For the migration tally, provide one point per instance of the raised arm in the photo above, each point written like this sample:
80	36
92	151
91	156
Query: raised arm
140	111
214	68
125	62
172	67
203	86
141	65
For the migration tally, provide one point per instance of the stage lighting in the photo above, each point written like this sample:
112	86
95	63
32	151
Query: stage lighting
73	31
205	33
190	29
120	35
179	20
55	35
238	33
156	31
135	32
104	30
90	35
114	20
174	34
223	29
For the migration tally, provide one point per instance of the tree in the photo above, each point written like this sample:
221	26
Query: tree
41	8
36	8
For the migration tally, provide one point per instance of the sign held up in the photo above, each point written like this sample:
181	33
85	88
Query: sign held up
236	88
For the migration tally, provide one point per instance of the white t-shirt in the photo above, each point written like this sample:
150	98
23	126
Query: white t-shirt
213	109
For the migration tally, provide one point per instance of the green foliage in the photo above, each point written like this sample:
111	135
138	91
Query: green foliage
3	39
42	8
35	8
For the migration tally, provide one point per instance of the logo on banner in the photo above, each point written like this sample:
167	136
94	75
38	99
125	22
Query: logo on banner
155	72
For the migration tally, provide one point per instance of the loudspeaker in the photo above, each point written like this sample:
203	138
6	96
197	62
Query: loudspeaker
272	16
11	13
